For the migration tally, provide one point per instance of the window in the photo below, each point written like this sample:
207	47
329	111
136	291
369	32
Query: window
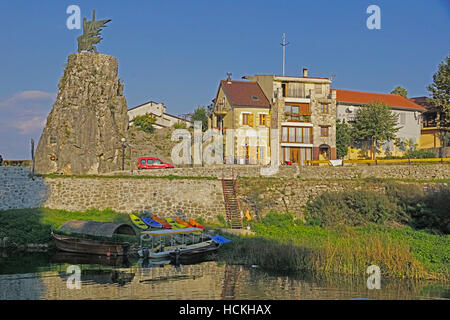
324	131
283	88
245	118
262	119
143	161
402	118
157	161
324	108
149	161
255	98
296	134
318	89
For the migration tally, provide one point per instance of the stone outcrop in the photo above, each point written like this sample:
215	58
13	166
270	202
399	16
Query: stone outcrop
84	129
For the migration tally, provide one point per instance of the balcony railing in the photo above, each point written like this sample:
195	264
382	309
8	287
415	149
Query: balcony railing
434	124
297	117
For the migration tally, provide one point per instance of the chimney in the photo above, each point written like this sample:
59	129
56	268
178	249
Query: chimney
229	78
305	72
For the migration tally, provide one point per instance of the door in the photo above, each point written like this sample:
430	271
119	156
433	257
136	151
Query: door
295	155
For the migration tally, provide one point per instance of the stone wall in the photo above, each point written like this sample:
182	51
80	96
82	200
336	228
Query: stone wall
179	197
417	172
192	197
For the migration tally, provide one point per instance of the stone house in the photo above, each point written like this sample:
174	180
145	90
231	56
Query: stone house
302	109
409	119
158	110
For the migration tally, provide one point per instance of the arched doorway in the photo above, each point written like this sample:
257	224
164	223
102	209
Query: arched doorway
324	152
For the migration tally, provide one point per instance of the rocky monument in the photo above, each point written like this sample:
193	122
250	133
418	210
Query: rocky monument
89	118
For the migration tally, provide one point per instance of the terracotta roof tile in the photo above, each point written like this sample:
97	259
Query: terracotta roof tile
392	100
244	93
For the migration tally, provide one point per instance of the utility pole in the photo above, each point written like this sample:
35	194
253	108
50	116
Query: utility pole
284	44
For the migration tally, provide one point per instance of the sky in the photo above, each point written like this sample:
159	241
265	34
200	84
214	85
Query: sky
177	51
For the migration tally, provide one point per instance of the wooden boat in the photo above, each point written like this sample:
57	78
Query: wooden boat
174	224
152	223
138	222
162	221
72	244
194	254
184	223
195	224
187	238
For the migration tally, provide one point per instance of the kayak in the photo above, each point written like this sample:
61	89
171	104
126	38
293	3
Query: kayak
151	223
184	223
195	224
138	222
174	224
162	221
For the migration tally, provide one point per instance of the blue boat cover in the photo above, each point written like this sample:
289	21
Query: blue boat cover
220	239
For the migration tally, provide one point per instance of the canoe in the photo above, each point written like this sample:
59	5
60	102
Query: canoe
151	223
138	222
195	224
72	244
162	221
174	224
184	223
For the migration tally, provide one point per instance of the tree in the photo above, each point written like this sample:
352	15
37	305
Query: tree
375	123
343	138
400	91
440	89
145	122
200	114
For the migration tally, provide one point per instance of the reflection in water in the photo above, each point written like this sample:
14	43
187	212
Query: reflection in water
110	279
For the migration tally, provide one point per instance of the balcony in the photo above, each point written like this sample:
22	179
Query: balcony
434	123
297	117
220	108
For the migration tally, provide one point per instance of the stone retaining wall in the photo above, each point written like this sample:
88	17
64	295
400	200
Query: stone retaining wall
192	197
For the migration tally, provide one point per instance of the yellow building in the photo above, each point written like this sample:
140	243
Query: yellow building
242	107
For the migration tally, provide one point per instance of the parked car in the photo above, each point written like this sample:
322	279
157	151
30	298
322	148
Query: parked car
152	163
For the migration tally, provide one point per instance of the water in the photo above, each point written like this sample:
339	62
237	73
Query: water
44	277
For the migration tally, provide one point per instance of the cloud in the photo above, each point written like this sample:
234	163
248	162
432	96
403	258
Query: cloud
28	126
28	96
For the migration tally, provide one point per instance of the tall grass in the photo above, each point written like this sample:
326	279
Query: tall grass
294	246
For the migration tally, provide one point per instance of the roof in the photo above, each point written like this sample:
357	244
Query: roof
245	93
392	100
94	228
145	103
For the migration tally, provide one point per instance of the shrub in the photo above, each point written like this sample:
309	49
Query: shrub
420	154
179	125
352	208
145	122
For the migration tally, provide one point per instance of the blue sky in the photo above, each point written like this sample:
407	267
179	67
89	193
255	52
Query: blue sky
177	51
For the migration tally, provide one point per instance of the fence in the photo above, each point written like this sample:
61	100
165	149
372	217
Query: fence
380	161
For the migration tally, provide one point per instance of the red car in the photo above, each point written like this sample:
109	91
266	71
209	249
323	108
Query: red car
152	163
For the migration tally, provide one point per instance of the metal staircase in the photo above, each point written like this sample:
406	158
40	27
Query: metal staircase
232	205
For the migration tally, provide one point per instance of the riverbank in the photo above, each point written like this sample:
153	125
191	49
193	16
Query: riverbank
282	243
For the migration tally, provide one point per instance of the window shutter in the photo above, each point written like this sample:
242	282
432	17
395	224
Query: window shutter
250	119
268	120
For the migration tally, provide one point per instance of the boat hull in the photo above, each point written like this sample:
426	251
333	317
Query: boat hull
77	245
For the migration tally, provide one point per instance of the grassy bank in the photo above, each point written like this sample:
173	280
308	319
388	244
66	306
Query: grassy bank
25	226
282	243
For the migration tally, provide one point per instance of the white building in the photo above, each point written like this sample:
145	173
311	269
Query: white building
163	119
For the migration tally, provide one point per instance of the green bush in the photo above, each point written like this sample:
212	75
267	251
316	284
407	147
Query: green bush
420	154
145	122
353	208
180	125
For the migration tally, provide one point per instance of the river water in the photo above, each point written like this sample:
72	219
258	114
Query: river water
45	277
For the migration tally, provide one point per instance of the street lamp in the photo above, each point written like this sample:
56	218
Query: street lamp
123	153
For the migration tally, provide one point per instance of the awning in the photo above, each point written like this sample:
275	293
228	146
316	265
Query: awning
94	228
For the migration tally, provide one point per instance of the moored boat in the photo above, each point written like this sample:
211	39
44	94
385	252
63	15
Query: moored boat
78	245
162	221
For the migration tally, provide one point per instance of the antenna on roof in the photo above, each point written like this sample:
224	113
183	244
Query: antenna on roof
332	76
284	44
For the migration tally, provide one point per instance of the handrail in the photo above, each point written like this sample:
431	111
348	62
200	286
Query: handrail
381	161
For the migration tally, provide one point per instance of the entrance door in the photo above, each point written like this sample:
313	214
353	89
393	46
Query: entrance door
295	155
